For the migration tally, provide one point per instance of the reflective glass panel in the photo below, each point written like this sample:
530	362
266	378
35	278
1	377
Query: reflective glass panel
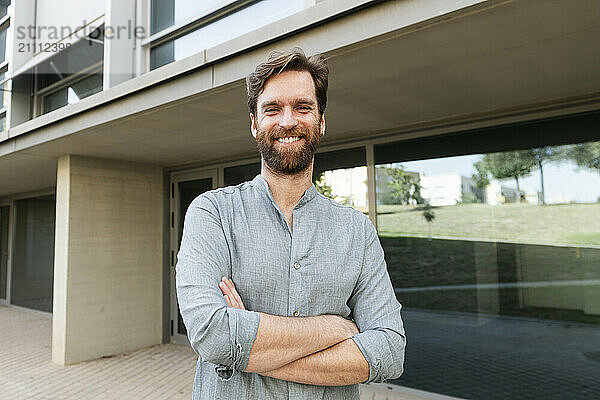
32	275
170	12
496	259
231	26
4	7
3	250
4	93
3	45
241	173
342	176
188	191
73	93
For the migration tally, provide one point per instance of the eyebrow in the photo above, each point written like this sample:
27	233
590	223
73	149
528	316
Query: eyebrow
303	100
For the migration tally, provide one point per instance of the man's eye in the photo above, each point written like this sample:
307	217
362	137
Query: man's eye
271	110
304	108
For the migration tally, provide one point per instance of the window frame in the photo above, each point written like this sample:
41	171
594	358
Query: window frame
57	86
193	23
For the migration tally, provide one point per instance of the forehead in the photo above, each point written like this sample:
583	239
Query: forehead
287	87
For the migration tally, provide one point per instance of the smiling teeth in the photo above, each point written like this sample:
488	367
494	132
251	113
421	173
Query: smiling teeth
288	139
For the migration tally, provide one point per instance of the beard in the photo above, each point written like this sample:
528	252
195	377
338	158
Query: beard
288	160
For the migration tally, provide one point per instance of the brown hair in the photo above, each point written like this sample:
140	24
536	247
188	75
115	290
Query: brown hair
291	60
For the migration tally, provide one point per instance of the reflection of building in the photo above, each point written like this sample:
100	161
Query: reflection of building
452	188
495	193
448	189
349	186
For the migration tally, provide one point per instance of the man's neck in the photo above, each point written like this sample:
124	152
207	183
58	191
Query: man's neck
287	190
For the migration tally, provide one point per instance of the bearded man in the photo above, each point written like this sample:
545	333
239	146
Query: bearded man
285	293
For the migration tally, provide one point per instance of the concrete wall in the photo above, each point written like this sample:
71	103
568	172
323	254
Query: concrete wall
108	258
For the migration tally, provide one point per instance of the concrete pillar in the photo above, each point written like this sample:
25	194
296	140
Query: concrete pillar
119	42
108	258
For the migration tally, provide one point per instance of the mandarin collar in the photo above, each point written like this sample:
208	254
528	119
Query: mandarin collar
308	195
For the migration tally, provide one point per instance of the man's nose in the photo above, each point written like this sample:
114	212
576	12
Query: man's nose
288	119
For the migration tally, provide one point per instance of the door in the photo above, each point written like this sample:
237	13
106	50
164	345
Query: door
184	188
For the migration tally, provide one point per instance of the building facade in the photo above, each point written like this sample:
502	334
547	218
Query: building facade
116	114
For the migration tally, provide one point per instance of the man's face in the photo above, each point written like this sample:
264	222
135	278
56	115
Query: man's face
287	125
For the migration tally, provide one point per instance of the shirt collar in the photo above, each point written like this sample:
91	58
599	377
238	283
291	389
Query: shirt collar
261	183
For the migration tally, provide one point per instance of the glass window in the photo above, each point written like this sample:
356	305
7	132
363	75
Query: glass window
33	262
3	250
162	54
495	257
73	93
3	45
2	122
342	176
4	7
4	93
80	56
241	173
166	13
231	26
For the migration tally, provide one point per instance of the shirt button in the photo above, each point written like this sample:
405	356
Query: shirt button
296	313
297	266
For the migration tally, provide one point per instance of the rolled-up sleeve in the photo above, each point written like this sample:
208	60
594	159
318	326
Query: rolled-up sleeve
218	334
376	311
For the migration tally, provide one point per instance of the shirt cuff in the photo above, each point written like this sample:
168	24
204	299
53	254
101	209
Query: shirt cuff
375	348
243	326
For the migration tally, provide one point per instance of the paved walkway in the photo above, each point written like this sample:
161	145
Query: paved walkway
157	372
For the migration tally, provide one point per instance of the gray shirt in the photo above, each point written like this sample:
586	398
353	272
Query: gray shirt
331	262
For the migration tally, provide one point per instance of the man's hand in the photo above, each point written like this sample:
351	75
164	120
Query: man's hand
231	295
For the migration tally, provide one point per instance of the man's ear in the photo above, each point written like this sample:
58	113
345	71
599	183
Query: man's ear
322	127
253	125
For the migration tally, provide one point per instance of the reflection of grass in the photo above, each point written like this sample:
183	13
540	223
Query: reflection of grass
570	224
585	238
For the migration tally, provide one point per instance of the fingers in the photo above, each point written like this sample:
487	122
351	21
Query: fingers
231	295
236	295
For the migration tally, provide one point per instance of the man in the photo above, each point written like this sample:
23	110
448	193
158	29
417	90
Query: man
285	293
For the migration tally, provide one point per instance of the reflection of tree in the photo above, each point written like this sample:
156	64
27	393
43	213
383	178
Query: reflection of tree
544	155
401	187
586	155
429	216
321	185
510	164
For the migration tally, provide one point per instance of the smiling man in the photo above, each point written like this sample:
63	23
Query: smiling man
284	292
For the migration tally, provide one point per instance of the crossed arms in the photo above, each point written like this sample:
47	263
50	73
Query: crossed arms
319	350
313	350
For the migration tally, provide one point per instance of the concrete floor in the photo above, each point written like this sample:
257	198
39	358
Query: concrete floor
157	372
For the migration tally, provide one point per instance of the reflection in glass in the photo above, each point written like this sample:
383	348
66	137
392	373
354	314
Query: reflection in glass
496	259
231	26
4	93
170	12
4	7
188	191
342	176
3	44
240	173
3	250
74	93
32	276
